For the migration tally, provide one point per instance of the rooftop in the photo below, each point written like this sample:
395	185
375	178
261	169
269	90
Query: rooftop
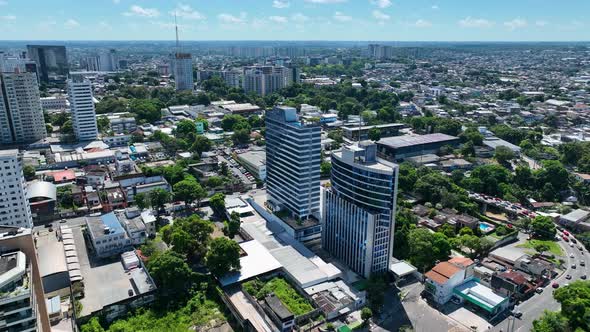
105	224
442	272
480	295
412	140
257	261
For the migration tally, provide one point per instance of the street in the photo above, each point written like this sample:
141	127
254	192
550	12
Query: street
534	307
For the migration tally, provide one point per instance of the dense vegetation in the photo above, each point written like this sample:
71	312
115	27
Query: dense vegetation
296	303
575	310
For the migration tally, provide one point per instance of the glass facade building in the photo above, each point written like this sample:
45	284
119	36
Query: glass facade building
293	153
359	209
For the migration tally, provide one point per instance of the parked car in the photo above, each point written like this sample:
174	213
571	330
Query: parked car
583	277
517	314
568	277
555	285
582	263
539	290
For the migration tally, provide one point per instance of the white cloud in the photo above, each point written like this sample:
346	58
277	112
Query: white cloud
325	1
541	23
470	22
299	18
422	24
71	23
279	19
231	19
516	23
381	3
280	4
380	16
341	17
434	7
136	10
8	18
186	11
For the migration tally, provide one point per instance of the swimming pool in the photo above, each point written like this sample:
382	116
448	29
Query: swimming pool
485	227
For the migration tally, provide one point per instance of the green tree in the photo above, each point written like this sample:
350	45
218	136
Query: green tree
188	191
29	172
504	155
376	289
374	134
241	136
93	325
67	128
232	227
543	228
200	145
366	315
551	322
426	248
103	124
158	199
223	256
229	122
575	304
141	200
325	168
170	272
540	247
217	203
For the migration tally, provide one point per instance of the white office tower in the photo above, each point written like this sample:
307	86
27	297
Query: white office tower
358	212
293	157
14	205
183	71
82	108
21	114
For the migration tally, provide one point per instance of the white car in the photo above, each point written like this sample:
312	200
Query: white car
571	255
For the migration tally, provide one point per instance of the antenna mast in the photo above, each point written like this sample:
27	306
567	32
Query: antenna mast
176	28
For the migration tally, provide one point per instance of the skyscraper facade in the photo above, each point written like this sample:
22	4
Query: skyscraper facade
21	114
359	209
82	108
14	205
52	62
183	71
293	150
265	80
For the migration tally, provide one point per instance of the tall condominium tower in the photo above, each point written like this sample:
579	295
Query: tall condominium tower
52	62
14	205
265	80
359	209
21	114
183	71
82	108
292	163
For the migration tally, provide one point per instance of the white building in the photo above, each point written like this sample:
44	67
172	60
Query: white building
55	103
265	80
82	108
445	276
108	236
14	206
183	71
21	114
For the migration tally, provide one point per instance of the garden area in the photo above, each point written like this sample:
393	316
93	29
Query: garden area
297	304
543	246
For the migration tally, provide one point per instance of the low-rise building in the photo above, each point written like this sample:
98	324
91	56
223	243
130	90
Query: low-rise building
445	276
255	162
108	236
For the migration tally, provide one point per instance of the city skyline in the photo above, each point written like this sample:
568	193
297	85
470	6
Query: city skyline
384	20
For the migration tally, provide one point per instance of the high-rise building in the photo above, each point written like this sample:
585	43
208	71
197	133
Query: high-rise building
14	205
82	108
22	301
183	71
358	213
21	113
92	63
380	52
52	62
11	63
265	80
293	150
109	61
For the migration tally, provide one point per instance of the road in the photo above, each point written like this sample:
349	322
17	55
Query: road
534	307
72	222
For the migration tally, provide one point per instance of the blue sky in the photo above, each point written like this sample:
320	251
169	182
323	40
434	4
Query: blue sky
403	20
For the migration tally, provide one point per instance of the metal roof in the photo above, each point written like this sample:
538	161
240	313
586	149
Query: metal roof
42	189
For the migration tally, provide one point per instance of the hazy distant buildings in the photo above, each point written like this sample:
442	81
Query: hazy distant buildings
11	63
21	114
292	163
380	52
52	62
14	205
109	61
183	71
359	209
82	108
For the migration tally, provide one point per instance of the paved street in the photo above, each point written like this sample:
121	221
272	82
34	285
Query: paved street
534	307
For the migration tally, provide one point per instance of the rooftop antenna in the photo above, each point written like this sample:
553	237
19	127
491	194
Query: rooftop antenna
176	28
